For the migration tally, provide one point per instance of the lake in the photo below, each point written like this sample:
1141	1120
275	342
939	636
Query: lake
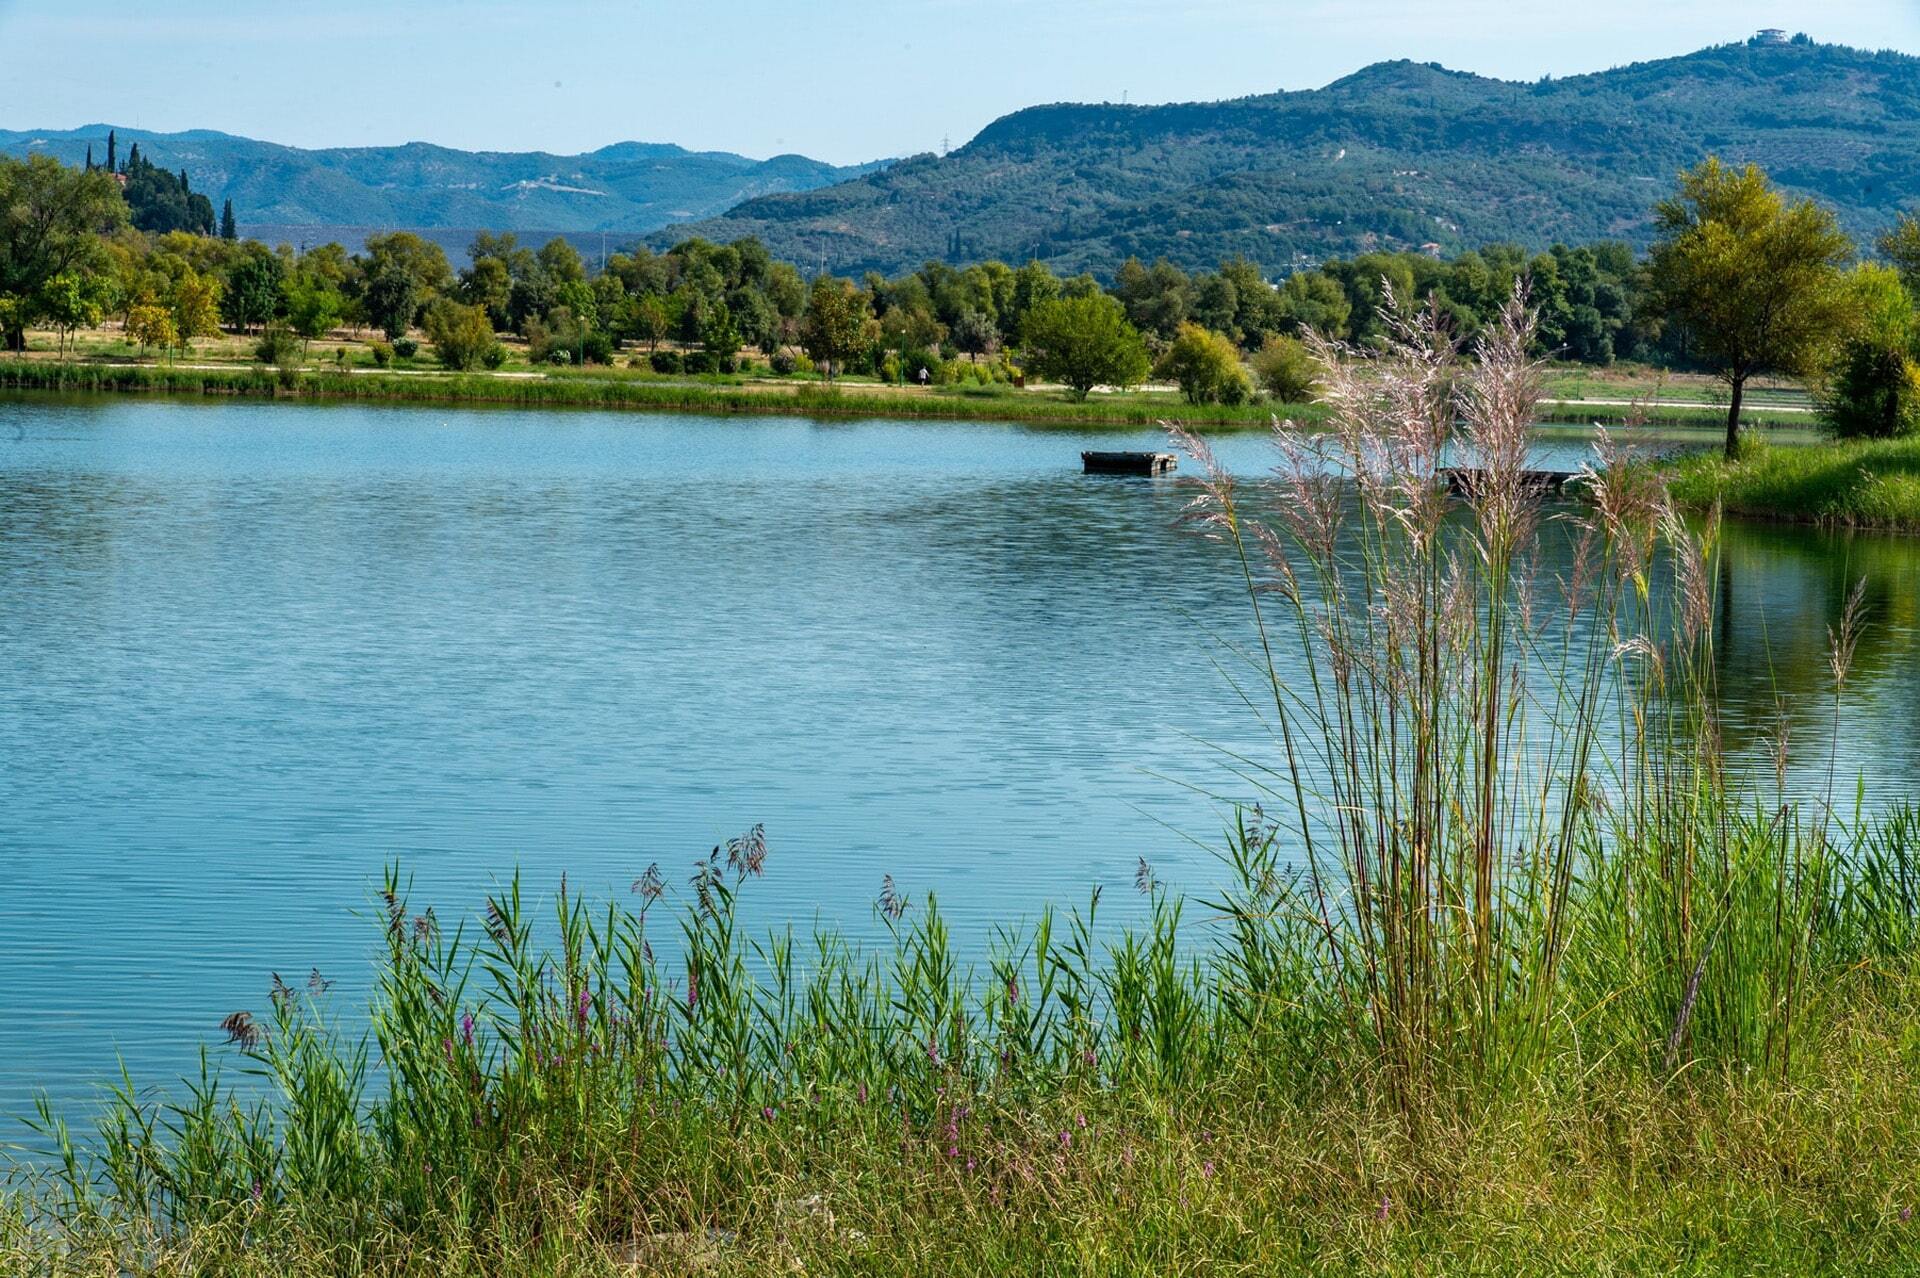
255	652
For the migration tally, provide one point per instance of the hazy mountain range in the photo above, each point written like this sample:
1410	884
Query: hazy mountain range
630	187
1398	155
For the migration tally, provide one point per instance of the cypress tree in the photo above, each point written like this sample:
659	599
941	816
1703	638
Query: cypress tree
228	231
133	158
89	157
111	141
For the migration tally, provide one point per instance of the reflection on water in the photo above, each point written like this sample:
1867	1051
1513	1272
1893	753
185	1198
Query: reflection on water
253	652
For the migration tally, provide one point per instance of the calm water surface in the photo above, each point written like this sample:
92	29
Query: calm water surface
251	653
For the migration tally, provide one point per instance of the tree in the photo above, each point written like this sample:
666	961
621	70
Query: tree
1874	390
1083	342
1286	370
314	306
1901	247
462	336
152	325
720	337
403	274
1205	365
51	221
252	295
648	321
391	299
974	333
73	300
1757	282
837	323
229	230
195	303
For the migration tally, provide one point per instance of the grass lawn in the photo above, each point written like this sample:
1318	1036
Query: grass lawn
1867	484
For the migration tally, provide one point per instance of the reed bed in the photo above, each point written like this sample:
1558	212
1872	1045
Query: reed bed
1511	969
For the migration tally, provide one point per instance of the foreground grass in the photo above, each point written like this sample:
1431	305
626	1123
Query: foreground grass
553	1145
1869	484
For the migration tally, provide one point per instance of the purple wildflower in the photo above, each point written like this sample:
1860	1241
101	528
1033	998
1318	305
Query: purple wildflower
466	1028
1206	1169
585	1006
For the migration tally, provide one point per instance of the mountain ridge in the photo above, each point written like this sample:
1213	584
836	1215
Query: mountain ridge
626	187
1398	154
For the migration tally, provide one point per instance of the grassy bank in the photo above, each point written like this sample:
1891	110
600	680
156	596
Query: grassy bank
637	391
1140	1107
1869	484
587	388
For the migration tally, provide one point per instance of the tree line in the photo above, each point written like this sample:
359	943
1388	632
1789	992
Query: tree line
1740	281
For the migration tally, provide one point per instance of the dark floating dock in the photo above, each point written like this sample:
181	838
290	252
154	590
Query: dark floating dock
1465	482
1128	463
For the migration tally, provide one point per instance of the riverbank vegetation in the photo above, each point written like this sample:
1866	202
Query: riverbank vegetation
1854	484
119	265
1514	966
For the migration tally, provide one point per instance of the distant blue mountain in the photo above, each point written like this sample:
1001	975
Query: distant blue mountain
628	187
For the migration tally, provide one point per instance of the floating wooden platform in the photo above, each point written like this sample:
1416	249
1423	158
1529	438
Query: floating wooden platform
1128	463
1465	482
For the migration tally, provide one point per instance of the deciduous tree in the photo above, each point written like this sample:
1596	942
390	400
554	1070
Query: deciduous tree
1758	282
1083	342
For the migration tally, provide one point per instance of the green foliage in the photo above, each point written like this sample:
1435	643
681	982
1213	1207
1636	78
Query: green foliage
152	326
279	346
1286	370
159	201
1901	247
1873	389
252	293
313	305
1757	283
1205	365
382	353
391	299
836	324
51	218
1849	484
462	336
1084	342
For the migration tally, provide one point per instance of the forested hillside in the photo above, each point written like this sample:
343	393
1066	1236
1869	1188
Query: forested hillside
1399	155
631	186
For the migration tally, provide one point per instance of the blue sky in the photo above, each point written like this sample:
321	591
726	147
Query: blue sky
835	79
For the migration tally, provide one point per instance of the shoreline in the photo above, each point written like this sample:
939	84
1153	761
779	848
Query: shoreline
803	398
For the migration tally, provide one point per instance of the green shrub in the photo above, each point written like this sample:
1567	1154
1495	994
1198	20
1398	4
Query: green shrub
1206	366
405	347
462	335
781	363
1286	370
698	362
1875	392
382	353
278	346
667	362
596	348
